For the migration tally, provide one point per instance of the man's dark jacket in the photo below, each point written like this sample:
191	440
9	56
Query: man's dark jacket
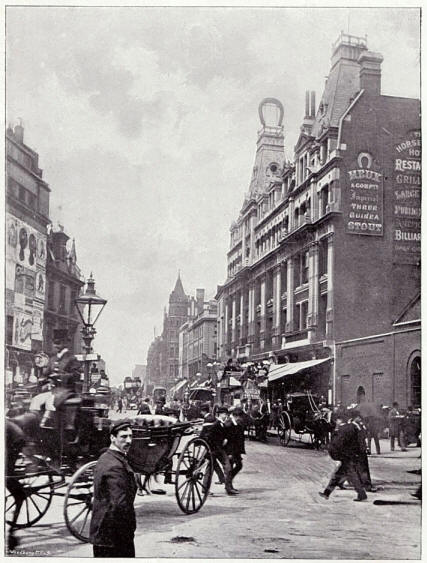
113	517
214	434
345	443
235	438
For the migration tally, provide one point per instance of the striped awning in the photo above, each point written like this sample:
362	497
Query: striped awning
282	370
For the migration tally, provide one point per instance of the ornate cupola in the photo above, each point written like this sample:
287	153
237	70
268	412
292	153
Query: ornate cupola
270	146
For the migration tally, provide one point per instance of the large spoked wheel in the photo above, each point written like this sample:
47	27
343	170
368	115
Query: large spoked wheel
78	502
33	488
284	428
193	476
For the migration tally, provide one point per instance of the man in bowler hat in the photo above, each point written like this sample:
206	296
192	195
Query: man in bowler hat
113	523
235	446
216	436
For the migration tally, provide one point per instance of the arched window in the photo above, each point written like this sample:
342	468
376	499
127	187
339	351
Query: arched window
361	395
415	382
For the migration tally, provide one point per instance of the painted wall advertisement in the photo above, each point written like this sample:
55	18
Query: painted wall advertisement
407	199
364	213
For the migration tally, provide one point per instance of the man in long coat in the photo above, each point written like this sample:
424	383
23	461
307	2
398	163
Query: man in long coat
113	523
215	435
345	446
235	446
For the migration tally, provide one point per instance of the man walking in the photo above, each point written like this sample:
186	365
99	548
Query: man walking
235	446
345	447
216	436
113	523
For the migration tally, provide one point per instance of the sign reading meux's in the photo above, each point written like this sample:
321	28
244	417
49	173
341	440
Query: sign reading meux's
407	199
364	214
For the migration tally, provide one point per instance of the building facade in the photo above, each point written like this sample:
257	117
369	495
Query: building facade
154	375
324	257
174	317
27	217
64	282
198	340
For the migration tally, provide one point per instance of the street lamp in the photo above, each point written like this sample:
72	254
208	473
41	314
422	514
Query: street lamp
89	306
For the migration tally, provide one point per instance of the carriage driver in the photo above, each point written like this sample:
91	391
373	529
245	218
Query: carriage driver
62	375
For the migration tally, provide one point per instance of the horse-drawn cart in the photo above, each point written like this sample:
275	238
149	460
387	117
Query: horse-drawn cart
154	451
302	415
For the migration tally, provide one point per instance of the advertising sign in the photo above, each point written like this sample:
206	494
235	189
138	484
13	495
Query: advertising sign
37	330
407	199
23	326
364	213
40	285
11	236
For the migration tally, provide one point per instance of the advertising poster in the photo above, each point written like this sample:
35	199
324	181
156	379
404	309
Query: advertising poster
407	200
11	236
23	326
40	287
364	211
37	328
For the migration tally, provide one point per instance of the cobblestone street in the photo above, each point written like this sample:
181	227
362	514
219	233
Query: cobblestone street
278	514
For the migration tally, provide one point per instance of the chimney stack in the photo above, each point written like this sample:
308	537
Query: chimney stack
307	103
19	133
200	295
370	72
313	104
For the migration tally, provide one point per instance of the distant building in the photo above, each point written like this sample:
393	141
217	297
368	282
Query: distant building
176	315
139	376
27	217
324	259
64	282
154	355
198	341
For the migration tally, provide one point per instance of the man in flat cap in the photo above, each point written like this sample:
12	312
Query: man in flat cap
113	523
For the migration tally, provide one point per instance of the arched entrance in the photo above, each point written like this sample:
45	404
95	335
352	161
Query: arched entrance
361	394
415	382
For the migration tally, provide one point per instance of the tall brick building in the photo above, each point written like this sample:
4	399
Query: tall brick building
324	258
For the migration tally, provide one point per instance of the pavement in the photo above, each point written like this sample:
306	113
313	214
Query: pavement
278	513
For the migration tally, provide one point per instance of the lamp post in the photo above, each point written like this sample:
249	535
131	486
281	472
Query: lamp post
89	306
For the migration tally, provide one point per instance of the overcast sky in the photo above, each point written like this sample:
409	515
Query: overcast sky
146	121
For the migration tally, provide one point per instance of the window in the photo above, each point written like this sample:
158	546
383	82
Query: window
32	200
304	313
304	268
73	298
62	306
9	329
21	194
51	295
324	200
415	375
297	316
323	257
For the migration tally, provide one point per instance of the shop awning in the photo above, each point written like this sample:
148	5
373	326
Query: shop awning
178	386
282	370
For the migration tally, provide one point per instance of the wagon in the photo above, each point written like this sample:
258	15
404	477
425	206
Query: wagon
154	452
41	461
302	415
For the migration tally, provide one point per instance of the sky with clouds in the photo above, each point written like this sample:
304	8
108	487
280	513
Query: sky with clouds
146	121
